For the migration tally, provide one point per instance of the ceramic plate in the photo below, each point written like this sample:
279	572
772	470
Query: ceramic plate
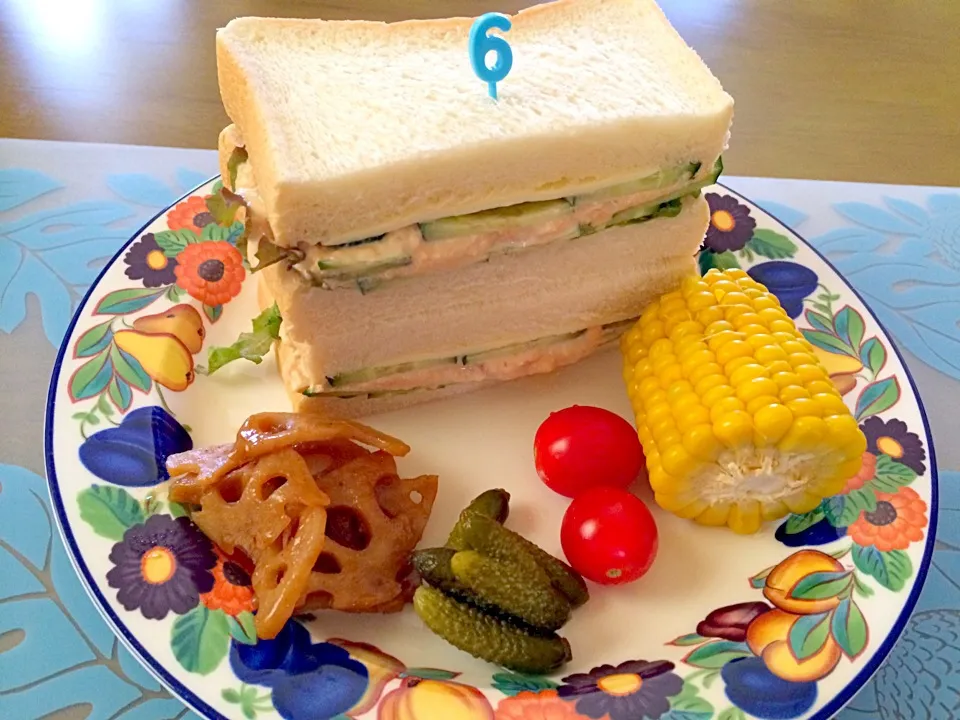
671	646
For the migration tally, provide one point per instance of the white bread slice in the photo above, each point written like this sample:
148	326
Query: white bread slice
358	128
565	287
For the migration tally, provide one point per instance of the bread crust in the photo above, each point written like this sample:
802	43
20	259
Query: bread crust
359	162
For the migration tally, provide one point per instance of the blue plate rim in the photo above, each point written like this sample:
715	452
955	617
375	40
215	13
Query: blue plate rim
176	688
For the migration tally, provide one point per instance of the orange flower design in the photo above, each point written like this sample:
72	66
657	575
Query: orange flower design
898	520
232	591
866	473
191	214
211	272
543	705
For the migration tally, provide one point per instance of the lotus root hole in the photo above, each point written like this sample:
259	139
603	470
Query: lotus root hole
416	498
271	486
347	527
231	489
327	564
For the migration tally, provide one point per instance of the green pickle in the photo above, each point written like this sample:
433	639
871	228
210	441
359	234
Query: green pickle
489	537
487	637
493	504
503	584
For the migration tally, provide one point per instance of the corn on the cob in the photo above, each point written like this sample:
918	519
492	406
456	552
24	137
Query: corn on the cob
738	419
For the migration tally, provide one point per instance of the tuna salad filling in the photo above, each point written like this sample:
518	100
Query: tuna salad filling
456	241
502	363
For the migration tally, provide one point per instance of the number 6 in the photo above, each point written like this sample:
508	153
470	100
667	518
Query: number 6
482	43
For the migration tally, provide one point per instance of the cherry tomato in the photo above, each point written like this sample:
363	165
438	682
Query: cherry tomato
609	536
581	447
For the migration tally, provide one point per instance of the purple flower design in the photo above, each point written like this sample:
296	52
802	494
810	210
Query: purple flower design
633	690
146	261
892	438
731	225
162	565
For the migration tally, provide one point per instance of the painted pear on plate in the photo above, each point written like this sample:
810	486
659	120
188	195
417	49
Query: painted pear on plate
419	699
182	321
163	357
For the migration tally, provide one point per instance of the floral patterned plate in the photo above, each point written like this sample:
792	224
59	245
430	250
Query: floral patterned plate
789	623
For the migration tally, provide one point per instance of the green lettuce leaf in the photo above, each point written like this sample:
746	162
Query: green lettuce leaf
250	346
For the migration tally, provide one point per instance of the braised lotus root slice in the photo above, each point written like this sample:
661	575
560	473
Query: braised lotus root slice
374	521
272	510
281	573
264	433
269	431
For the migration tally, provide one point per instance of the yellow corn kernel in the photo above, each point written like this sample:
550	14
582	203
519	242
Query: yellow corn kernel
692	417
703	371
752	389
677	461
725	388
714	516
793	392
745	517
772	422
803	407
700	442
709	315
786	379
760	402
737	363
830	404
724	407
822	386
734	429
708	383
748	371
669	374
701	301
651	332
715	394
732	349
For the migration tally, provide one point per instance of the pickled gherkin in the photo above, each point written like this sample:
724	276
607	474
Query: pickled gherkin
487	637
489	537
503	584
491	503
433	566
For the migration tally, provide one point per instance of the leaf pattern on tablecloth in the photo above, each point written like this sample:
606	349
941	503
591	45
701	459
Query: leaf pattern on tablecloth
42	600
905	260
54	255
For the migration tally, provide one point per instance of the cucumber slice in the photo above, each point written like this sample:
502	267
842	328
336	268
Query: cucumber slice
507	350
332	269
503	218
643	213
660	179
375	373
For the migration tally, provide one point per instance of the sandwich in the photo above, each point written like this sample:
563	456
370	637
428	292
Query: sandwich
419	239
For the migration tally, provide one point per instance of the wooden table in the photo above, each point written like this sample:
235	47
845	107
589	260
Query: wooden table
839	90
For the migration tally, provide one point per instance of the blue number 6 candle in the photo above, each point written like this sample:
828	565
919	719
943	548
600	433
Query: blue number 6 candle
482	43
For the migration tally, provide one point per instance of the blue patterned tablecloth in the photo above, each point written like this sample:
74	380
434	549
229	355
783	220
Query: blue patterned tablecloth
65	209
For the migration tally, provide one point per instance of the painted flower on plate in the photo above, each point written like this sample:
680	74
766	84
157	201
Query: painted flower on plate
633	690
310	681
146	261
898	520
891	437
542	705
191	214
211	272
866	473
162	565
232	590
731	225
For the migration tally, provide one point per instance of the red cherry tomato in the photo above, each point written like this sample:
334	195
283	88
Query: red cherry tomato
581	447
609	536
